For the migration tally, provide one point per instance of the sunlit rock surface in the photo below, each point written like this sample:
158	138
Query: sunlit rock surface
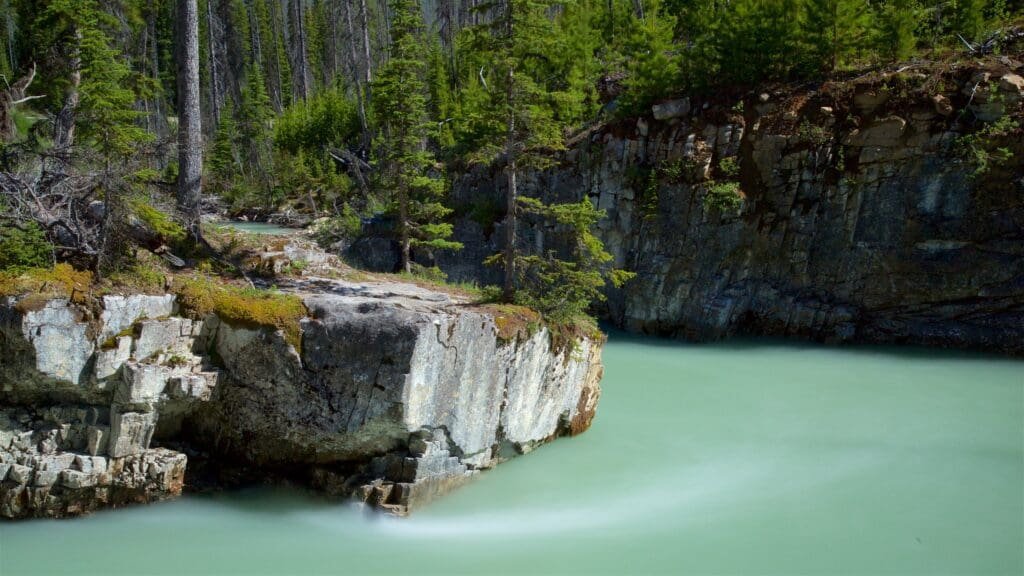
396	395
865	216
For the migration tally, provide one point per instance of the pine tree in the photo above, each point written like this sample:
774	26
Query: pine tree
563	288
105	117
653	69
518	124
969	18
758	40
223	163
833	31
254	116
408	167
899	20
521	124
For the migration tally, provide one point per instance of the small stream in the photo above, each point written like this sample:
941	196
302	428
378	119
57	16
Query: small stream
735	458
256	227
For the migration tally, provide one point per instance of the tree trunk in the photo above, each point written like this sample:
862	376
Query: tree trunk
302	60
508	292
403	219
64	125
354	55
190	142
365	23
214	80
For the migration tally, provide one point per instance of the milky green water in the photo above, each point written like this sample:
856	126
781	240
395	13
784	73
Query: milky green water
730	459
256	227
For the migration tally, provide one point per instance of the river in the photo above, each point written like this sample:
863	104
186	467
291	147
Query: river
736	458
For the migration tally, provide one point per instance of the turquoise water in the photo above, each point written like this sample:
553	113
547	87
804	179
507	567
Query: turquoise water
750	458
256	227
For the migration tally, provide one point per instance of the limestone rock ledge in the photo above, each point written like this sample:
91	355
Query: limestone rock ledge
397	394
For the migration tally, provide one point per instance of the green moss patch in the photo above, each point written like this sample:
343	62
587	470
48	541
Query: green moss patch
199	296
42	284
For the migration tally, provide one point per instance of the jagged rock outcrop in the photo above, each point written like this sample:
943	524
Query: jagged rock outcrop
396	394
869	211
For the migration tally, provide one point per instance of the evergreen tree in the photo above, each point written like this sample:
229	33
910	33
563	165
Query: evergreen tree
563	288
758	39
223	163
834	31
521	125
899	20
969	18
653	69
518	122
408	168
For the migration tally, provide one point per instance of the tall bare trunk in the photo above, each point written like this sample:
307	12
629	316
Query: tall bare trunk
364	16
299	47
508	292
354	55
190	139
404	236
215	89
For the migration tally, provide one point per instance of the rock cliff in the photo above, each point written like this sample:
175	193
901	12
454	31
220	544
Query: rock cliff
887	208
396	394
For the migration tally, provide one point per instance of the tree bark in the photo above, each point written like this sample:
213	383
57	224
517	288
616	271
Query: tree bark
508	291
365	23
301	61
214	80
354	55
190	143
406	240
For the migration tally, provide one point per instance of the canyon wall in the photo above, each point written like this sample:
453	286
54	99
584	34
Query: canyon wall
886	208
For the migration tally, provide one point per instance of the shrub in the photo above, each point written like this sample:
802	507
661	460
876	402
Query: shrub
981	148
24	247
345	226
139	277
723	196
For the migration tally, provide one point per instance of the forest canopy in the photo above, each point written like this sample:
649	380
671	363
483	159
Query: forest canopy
347	109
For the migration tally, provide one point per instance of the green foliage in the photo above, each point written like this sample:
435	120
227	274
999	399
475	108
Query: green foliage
898	31
729	167
344	226
521	80
24	247
834	32
560	288
723	196
139	277
329	118
969	18
982	148
84	31
652	64
408	169
158	222
200	296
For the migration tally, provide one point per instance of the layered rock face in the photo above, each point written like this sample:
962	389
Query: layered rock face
397	394
869	212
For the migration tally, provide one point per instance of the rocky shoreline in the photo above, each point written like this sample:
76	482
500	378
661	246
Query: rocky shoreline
395	395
